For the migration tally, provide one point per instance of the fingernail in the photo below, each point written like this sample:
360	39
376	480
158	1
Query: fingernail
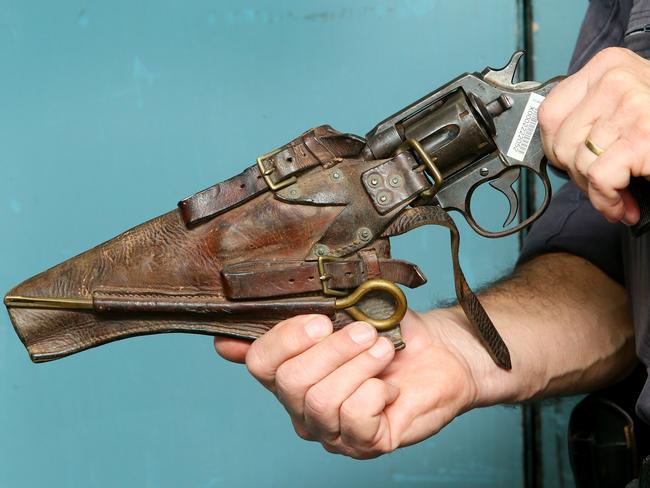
361	333
318	327
381	349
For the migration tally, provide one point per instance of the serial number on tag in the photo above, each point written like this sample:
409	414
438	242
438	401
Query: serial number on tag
526	128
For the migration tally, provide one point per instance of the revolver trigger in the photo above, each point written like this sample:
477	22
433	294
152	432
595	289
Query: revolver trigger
504	184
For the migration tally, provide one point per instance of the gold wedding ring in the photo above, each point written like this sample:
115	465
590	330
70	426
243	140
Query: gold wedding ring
593	147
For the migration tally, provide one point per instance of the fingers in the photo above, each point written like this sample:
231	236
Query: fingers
316	373
627	156
231	349
324	399
609	176
605	78
606	102
364	425
557	107
284	341
297	375
603	134
597	105
568	95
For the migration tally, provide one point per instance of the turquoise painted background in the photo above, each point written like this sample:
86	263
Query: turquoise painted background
110	112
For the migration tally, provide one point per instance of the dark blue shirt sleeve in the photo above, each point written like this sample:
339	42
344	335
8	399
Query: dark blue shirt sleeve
572	225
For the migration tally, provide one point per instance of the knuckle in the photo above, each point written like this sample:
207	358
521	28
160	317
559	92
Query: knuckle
616	80
642	128
633	102
288	379
303	435
362	455
333	448
609	56
561	152
595	176
302	432
318	402
352	410
581	164
345	450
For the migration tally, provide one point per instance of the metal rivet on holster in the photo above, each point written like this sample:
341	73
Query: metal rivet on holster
336	175
293	192
395	181
321	250
384	197
364	234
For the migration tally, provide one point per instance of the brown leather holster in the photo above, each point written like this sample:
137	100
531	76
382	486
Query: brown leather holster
291	234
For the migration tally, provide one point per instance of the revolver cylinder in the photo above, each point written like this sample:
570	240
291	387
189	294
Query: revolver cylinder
457	130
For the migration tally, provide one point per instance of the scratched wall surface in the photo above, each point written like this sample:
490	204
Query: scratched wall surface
113	111
556	25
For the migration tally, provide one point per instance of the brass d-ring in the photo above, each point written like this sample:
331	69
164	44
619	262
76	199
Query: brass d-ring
348	303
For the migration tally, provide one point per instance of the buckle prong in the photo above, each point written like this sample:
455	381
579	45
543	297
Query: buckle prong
324	277
266	172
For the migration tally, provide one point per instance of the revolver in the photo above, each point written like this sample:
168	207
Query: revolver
305	229
478	128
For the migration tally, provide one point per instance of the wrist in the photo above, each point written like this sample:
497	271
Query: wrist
490	384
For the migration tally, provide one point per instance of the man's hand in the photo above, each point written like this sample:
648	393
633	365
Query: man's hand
566	323
352	392
608	102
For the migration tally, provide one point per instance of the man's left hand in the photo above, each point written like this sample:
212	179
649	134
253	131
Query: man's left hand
607	102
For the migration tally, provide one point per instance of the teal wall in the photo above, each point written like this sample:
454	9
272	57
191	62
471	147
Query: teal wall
113	111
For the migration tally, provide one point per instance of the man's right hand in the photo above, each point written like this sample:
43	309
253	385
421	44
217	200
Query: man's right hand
352	392
567	325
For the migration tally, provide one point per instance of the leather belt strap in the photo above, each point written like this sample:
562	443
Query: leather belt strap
476	314
319	146
263	279
234	191
222	196
372	265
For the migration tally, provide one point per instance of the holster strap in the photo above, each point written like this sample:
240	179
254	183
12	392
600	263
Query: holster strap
222	196
319	146
476	314
263	279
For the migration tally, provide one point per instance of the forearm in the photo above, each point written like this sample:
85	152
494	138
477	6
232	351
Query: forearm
567	325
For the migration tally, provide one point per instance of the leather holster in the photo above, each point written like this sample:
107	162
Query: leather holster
292	234
233	259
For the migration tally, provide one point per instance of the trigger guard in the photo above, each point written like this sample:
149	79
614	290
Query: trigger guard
467	212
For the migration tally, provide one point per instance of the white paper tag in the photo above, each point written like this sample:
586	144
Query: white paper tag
526	128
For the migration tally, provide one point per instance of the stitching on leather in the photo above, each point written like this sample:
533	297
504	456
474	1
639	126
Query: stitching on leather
126	294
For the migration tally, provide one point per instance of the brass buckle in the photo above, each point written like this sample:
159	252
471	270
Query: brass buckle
325	277
430	166
266	173
347	302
